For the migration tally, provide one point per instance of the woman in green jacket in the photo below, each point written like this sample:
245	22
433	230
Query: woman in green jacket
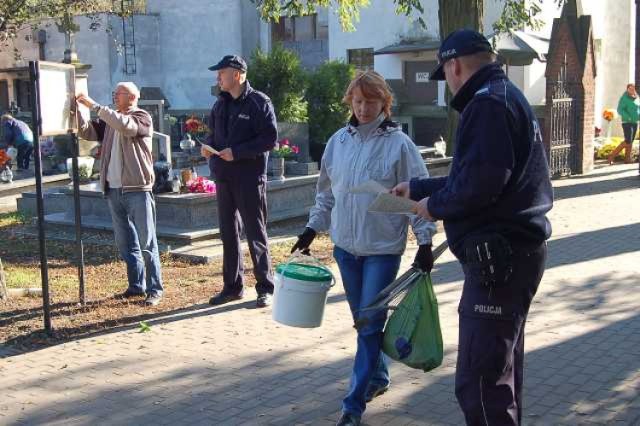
629	110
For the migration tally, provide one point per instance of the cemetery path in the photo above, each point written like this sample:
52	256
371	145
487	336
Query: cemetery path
234	365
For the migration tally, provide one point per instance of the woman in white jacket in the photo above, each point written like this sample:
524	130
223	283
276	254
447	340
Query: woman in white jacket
368	246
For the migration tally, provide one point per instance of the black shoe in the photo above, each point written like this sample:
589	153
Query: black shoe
264	300
348	419
374	391
153	300
129	294
223	298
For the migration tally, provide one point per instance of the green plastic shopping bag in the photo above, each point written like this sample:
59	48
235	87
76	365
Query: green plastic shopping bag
412	334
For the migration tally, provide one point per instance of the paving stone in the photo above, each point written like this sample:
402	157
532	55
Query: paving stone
581	366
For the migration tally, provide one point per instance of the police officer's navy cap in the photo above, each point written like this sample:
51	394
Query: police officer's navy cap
230	61
459	43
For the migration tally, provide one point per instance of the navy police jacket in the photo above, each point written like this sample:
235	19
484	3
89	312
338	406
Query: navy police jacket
499	178
247	125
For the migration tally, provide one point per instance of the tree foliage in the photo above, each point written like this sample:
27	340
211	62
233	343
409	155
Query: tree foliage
452	14
327	112
348	11
279	74
515	13
17	14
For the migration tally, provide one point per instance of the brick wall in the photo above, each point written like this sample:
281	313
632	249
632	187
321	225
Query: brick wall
588	108
580	85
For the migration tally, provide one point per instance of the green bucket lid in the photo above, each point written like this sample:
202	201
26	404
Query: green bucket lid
302	272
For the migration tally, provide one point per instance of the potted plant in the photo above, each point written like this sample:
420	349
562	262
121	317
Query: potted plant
48	153
275	166
283	150
195	129
85	168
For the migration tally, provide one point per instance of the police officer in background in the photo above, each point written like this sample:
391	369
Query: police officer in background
493	204
243	130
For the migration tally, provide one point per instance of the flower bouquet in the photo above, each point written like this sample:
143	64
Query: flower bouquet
285	149
603	139
201	185
5	166
196	128
6	175
609	114
49	153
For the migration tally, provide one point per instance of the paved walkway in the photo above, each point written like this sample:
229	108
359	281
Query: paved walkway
234	365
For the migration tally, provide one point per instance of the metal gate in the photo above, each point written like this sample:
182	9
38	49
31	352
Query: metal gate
563	146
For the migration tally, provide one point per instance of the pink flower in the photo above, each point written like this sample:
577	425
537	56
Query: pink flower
201	185
295	149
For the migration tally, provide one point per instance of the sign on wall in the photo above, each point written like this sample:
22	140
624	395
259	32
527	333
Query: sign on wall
422	77
56	85
418	88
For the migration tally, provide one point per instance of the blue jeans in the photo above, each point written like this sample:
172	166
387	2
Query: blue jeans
24	155
134	224
363	278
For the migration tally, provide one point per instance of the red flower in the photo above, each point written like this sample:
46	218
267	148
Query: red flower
4	158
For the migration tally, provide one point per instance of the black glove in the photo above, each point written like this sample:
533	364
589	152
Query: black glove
304	241
424	258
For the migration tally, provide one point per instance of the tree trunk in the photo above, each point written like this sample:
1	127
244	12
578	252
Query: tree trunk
453	15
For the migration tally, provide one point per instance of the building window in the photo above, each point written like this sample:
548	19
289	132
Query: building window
305	28
4	95
299	28
322	27
362	59
22	90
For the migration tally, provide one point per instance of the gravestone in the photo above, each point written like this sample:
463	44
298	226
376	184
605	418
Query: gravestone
298	135
161	144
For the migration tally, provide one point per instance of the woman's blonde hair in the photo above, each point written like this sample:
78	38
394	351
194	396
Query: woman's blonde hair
373	86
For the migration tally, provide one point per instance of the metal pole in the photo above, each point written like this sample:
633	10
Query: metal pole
78	220
37	127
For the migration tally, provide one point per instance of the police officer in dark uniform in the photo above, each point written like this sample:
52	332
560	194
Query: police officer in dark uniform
243	131
493	204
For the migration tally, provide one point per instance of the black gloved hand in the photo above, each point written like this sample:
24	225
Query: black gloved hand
424	258
304	241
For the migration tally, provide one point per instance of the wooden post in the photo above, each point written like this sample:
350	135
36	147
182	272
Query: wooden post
3	283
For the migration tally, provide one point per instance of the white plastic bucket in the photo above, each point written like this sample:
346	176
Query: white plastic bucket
300	294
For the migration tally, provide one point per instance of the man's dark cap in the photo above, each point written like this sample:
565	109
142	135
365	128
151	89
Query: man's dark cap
459	43
230	61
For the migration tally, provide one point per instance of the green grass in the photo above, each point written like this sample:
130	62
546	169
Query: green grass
12	219
22	277
28	277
